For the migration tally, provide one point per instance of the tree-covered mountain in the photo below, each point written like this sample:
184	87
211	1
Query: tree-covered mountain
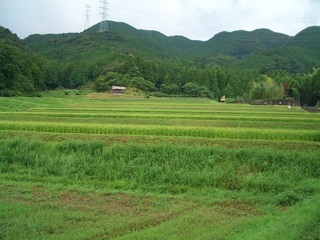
240	64
243	43
122	38
256	49
20	71
300	54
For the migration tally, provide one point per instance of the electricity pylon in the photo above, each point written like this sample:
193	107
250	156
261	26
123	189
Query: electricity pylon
87	15
104	23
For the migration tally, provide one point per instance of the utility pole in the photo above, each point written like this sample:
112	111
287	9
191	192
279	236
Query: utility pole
104	23
87	15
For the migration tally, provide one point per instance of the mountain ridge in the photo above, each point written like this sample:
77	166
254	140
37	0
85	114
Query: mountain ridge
153	44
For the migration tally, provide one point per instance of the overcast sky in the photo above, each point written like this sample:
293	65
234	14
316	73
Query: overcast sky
195	19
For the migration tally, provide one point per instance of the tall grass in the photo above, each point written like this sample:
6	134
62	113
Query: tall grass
164	168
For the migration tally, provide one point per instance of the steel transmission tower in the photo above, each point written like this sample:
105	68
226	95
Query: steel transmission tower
87	15
104	23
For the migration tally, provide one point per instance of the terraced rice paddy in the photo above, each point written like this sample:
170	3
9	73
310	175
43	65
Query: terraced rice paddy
210	120
133	168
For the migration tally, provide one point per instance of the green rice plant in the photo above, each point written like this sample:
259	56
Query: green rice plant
159	115
229	133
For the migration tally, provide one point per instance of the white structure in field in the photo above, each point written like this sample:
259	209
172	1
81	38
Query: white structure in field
118	89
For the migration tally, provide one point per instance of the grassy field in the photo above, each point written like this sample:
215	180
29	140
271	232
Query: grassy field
124	167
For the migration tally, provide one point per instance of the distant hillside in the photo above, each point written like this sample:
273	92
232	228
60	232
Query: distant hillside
243	43
300	54
152	40
9	38
257	49
122	38
154	44
308	38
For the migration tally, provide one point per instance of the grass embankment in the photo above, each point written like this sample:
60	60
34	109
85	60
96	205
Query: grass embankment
159	178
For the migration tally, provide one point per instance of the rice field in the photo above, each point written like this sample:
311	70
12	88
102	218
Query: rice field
124	167
169	118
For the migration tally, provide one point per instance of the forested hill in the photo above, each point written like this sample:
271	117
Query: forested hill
152	41
243	43
20	72
251	65
154	44
300	54
122	39
238	48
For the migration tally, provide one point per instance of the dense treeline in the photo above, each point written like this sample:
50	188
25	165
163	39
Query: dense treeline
19	72
75	60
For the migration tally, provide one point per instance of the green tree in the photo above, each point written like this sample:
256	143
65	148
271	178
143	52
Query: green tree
266	88
142	84
194	90
101	84
18	72
229	92
213	87
169	89
222	80
65	75
310	88
258	91
50	70
38	77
